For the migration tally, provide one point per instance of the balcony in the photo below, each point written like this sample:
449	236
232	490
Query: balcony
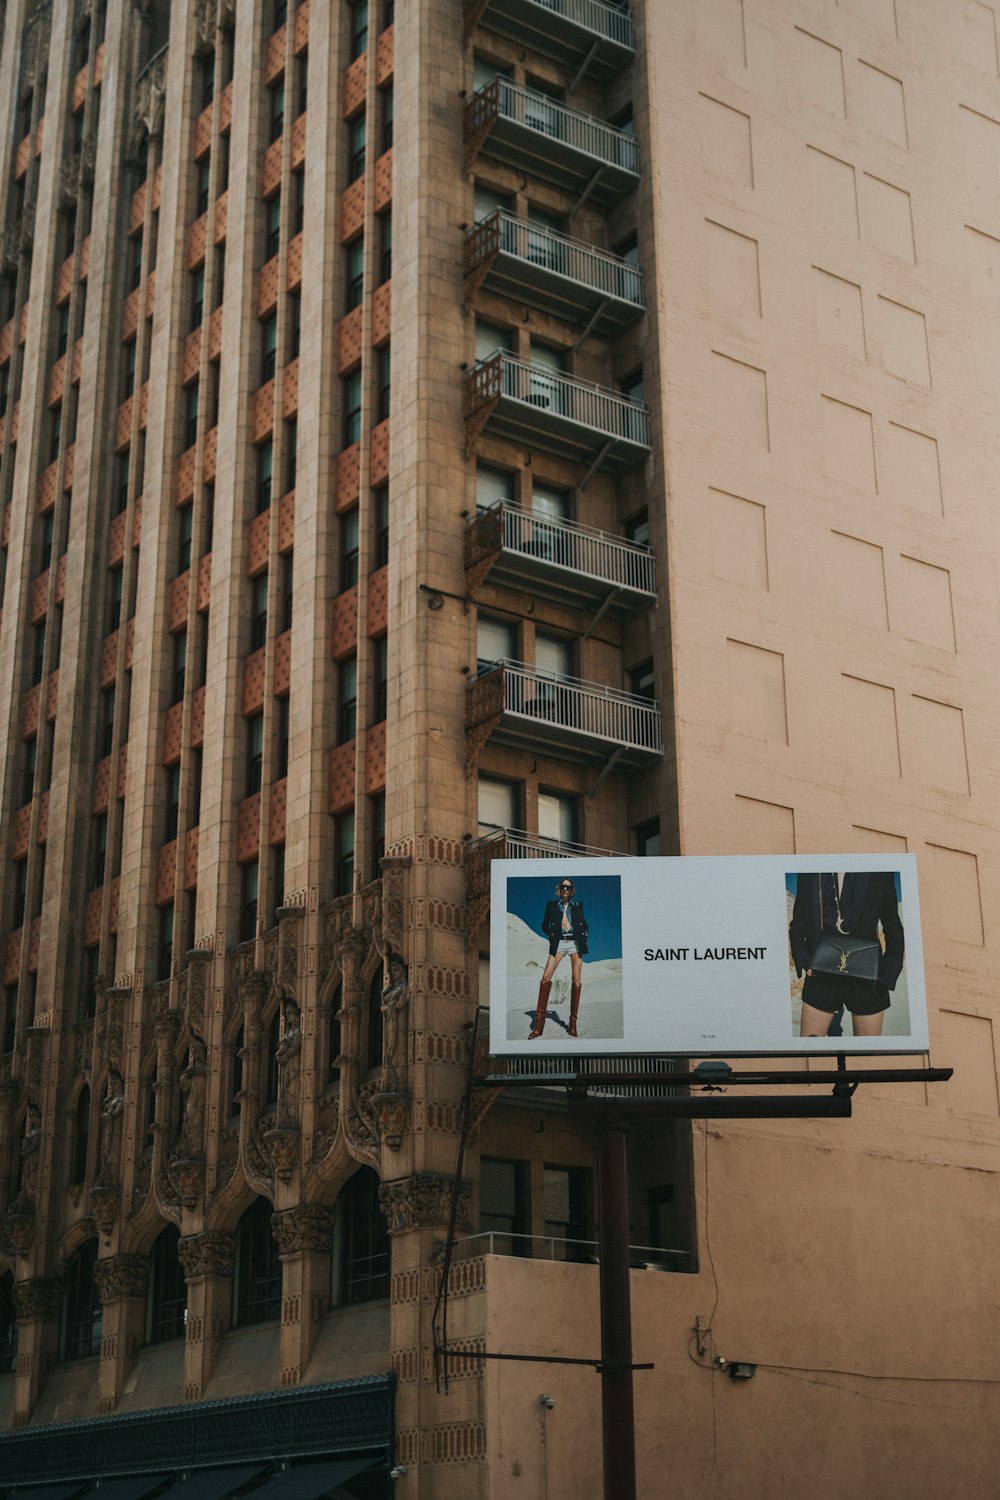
536	134
569	418
595	39
528	708
573	564
512	843
599	292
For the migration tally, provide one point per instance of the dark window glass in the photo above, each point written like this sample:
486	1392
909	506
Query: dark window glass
255	753
381	655
355	273
55	430
8	1325
387	112
381	506
273	227
357	148
637	528
249	879
165	956
173	802
115	584
642	680
359	28
30	762
287	593
166	1306
278	878
258	612
385	248
107	722
180	665
503	1206
81	1136
349	544
209	518
565	1191
204	176
198	293
121	482
48	533
294	326
647	838
100	851
186	529
265	476
344	871
281	706
190	415
347	699
269	347
20	891
352	410
81	1320
378	832
257	1268
384	384
196	788
363	1269
277	110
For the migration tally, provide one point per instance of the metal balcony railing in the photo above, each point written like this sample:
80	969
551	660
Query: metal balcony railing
530	708
536	134
512	843
594	38
560	1247
575	563
575	281
565	416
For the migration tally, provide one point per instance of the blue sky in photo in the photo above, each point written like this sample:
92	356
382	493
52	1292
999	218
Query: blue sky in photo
602	906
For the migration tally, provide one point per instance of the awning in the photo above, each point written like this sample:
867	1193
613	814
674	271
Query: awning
210	1484
134	1488
310	1481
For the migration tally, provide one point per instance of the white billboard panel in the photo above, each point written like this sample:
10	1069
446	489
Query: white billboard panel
764	955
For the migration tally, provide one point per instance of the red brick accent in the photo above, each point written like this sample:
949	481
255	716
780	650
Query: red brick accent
116	541
34	944
253	682
109	659
116	890
122	770
57	381
150	293
383	181
52	698
198	718
192	356
102	785
23	157
202	134
352	211
274	55
7	339
342	778
173	721
185	475
349	342
130	316
92	918
29	711
283	663
64	281
166	872
43	818
179	590
267	288
263	412
375	759
22	327
215	335
137	521
382	314
383	57
204	583
12	957
129	642
248	827
270	169
294	264
85	259
286	522
299	142
5	526
276	812
77	366
40	136
344	636
99	67
137	209
211	453
226	107
61	579
378	602
197	239
47	487
260	528
144	407
348	477
221	216
69	467
15	420
79	90
379	453
40	597
123	425
191	843
157	185
290	389
21	831
352	86
301	27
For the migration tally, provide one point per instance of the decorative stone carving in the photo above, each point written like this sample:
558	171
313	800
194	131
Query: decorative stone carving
150	96
424	1201
187	1178
104	1202
19	1223
306	1228
289	931
40	1297
394	1007
281	1145
394	901
360	1117
196	990
121	1276
35	47
392	1115
210	1253
193	1082
288	1057
112	1111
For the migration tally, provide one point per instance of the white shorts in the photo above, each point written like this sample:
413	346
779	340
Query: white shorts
566	946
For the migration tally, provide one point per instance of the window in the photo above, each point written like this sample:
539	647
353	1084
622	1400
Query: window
547	501
9	1018
179	665
81	1309
286	566
277	110
384	367
269	348
632	386
173	803
55	430
495	641
349	550
292	449
196	763
48	533
294	326
564	1191
255	753
557	817
81	1136
378	831
99	851
281	710
361	1241
256	1268
499	805
344	847
297	188
166	1302
203	180
208	511
278	878
165	955
358	41
197	297
249	883
387	112
190	415
258	612
133	262
38	655
347	699
489	338
186	537
30	761
273	222
265	476
385	248
553	655
493	485
637	529
91	971
374	1028
503	1206
355	273
352	410
642	681
20	891
205	78
381	663
647	838
62	331
121	482
381	508
106	722
357	135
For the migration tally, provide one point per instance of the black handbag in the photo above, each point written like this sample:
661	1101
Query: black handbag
843	953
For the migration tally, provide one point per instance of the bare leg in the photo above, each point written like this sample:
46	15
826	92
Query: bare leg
576	964
815	1022
868	1025
552	963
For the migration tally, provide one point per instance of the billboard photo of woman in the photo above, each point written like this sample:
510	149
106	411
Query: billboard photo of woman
575	918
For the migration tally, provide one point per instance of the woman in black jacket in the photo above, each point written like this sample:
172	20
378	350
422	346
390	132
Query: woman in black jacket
565	926
849	905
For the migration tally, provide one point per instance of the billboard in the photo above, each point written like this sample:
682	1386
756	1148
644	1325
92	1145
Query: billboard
765	955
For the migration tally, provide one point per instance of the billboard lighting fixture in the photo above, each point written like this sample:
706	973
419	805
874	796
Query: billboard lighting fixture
713	1072
741	1369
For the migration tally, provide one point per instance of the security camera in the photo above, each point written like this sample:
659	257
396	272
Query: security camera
397	1472
547	1401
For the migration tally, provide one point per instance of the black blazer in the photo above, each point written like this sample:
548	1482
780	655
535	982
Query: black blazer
552	925
868	899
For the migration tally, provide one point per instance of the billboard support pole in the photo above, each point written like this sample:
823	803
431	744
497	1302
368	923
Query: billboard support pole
617	1406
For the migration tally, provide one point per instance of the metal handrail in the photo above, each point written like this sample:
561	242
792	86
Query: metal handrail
567	544
549	250
588	1249
610	21
585	133
534	846
616	417
590	708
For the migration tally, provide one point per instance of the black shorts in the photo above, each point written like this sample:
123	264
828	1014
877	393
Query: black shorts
828	992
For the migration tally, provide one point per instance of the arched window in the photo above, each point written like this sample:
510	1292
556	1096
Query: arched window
8	1324
81	1311
81	1136
271	1061
361	1245
257	1268
375	1021
166	1303
333	1036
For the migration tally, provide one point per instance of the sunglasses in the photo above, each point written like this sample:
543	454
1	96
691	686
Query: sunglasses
565	887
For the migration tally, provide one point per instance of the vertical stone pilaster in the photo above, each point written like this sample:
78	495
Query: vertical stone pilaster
207	1259
305	1240
38	1304
122	1281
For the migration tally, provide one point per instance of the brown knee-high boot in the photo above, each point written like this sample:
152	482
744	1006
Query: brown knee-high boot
542	1007
574	1009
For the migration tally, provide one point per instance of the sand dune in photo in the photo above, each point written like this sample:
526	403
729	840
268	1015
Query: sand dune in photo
601	1007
